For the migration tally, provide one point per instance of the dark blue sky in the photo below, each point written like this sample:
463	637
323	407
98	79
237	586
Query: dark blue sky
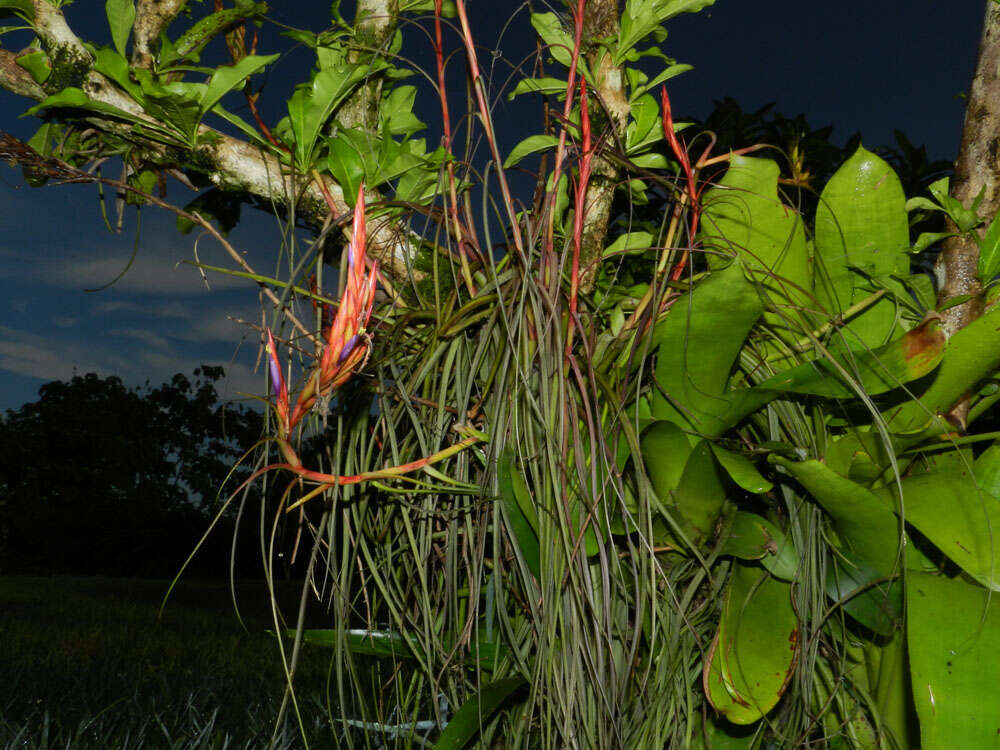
859	66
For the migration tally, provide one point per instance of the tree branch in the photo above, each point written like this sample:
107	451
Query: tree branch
977	170
227	162
601	20
151	18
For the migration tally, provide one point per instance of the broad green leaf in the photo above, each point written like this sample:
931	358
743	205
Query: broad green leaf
953	638
21	8
522	518
867	527
228	77
869	543
989	251
745	217
751	537
176	104
664	75
74	98
700	496
468	721
311	106
912	356
987	470
37	63
742	471
645	127
530	145
539	86
643	18
753	654
973	353
960	518
559	41
346	165
861	223
43	139
121	16
113	65
699	342
631	241
397	110
651	160
927	239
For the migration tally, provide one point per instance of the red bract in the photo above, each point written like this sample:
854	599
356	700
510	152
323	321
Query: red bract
345	343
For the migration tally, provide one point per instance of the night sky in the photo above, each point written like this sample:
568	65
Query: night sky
867	67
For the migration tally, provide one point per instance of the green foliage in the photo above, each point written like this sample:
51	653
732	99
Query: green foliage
704	483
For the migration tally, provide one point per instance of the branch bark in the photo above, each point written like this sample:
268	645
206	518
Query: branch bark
151	18
601	20
227	162
977	170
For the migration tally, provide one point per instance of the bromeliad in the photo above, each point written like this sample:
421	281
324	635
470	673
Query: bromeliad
346	345
345	342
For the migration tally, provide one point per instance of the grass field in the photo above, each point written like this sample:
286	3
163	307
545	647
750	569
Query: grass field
84	663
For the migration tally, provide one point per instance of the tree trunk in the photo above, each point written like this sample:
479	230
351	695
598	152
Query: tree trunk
976	170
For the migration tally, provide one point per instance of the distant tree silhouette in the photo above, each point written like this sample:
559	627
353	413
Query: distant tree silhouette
99	478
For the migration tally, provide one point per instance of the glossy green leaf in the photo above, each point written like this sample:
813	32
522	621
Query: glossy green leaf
37	63
987	470
643	18
522	518
559	41
861	223
973	353
699	342
113	65
989	251
909	357
228	77
701	493
867	527
744	216
468	721
751	537
630	242
870	551
539	86
22	8
346	165
953	639
753	654
74	98
962	520
121	16
310	107
530	145
742	471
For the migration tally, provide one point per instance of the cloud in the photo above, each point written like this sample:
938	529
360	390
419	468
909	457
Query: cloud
65	321
23	353
155	271
50	357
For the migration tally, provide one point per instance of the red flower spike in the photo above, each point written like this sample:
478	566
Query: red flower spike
345	344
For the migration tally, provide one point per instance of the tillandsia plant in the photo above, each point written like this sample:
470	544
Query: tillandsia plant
684	477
